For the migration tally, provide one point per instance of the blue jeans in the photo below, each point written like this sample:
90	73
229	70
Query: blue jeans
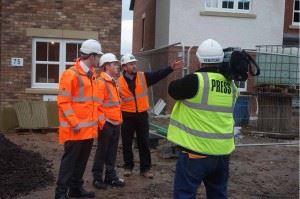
212	170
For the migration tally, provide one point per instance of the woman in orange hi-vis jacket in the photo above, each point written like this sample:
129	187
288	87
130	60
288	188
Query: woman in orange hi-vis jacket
108	139
80	116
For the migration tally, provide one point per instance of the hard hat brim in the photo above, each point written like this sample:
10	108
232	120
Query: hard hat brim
109	62
133	60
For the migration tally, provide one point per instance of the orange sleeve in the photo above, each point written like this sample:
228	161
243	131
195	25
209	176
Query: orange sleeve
100	95
64	98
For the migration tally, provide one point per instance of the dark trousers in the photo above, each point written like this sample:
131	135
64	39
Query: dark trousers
137	122
72	166
106	152
189	174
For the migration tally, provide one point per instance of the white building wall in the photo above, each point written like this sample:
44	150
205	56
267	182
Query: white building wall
188	26
162	23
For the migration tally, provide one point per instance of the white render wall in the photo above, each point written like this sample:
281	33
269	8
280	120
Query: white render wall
162	22
187	25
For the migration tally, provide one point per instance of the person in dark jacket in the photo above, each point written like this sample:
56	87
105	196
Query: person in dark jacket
135	104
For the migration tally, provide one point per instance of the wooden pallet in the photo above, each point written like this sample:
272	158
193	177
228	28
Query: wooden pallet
38	130
271	134
279	89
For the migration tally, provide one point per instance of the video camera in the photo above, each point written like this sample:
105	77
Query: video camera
237	63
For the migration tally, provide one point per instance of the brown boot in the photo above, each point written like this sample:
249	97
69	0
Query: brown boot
127	172
147	174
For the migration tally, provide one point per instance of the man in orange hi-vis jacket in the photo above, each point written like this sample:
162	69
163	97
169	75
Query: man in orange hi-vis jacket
108	139
80	116
135	104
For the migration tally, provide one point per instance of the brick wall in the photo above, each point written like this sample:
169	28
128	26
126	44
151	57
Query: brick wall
288	17
101	16
0	29
291	33
147	9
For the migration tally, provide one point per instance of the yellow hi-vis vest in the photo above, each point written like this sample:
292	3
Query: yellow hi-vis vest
204	123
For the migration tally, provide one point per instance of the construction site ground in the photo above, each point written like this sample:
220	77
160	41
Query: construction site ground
255	172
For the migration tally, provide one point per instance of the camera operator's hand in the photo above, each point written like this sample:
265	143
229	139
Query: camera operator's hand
177	65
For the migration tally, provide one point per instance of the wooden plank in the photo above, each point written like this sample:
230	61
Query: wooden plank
39	114
24	114
8	119
271	88
274	114
272	135
36	130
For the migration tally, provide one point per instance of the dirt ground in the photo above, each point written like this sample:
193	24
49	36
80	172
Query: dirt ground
17	164
255	172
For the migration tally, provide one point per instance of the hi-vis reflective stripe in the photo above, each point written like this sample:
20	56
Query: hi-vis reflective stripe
97	99
80	125
113	122
127	99
101	117
81	83
110	102
143	80
64	93
63	124
199	133
87	99
204	103
68	112
141	95
208	107
81	97
234	95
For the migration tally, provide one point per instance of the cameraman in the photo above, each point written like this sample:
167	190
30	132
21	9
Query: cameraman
201	124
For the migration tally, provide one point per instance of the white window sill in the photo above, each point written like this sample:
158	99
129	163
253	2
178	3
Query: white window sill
48	91
293	26
227	14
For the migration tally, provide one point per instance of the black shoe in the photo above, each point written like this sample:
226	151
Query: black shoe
61	193
99	184
62	196
80	193
115	182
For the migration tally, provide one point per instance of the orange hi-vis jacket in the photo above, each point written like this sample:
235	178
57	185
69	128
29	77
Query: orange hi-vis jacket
80	114
109	92
139	102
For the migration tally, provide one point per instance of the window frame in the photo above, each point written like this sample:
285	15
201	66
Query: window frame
62	62
293	17
234	10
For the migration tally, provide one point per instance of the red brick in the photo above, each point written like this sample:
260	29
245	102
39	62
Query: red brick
16	16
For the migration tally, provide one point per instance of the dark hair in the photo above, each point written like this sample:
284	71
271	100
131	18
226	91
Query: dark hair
84	56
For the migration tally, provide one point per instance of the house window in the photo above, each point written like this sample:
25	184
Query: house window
212	3
296	12
50	57
243	4
228	5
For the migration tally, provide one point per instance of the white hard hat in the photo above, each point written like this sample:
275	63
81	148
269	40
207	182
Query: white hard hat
127	59
107	58
91	46
210	51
